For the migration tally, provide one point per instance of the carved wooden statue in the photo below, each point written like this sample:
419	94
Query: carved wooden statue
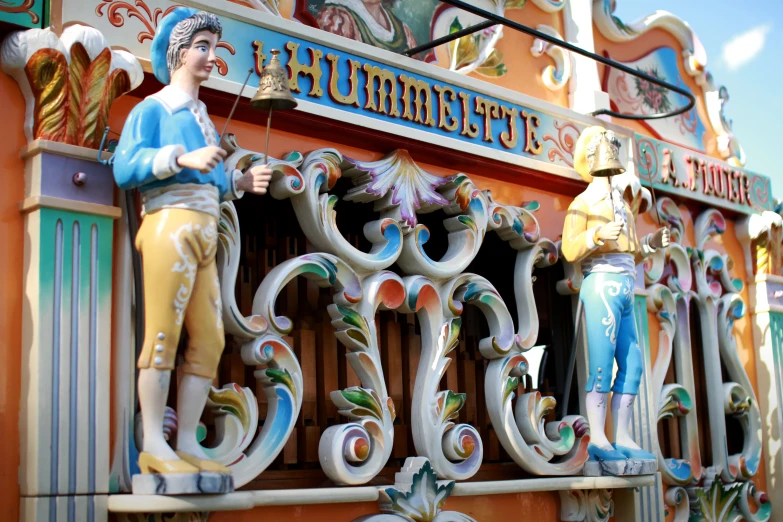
600	233
169	151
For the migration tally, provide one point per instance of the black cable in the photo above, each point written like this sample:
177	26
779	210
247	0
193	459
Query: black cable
449	37
501	20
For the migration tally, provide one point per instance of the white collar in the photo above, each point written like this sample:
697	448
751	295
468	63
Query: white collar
595	194
175	99
357	6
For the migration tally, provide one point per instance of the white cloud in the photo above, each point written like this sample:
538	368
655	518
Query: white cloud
743	47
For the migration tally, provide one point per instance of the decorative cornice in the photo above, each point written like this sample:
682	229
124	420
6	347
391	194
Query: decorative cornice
694	61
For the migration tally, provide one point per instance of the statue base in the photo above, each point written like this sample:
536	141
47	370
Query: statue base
204	483
619	468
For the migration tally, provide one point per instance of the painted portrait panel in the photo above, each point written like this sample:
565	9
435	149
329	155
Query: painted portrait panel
392	25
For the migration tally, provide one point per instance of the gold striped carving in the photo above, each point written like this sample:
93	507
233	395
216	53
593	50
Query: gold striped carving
72	102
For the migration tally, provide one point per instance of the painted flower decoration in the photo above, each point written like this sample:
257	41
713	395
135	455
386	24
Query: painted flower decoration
653	97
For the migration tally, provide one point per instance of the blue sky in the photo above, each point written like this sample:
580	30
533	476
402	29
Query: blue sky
744	44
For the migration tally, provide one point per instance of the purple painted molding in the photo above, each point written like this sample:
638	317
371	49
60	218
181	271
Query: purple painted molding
57	179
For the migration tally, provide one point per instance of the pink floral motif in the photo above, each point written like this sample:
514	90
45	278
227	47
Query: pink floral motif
150	18
563	149
621	88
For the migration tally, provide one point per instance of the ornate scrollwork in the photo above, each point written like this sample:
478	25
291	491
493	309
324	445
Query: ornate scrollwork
739	398
455	450
592	505
356	452
555	77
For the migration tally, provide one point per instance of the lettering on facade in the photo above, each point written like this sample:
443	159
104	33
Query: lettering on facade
409	98
696	176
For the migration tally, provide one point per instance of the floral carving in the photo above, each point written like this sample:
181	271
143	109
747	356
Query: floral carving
401	180
417	496
150	19
592	505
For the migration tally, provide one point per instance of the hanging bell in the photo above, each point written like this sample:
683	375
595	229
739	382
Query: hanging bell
273	92
605	161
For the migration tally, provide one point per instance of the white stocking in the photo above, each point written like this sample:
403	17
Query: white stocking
597	403
153	392
191	398
622	410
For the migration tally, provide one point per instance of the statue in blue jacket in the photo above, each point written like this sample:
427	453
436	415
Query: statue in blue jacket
169	151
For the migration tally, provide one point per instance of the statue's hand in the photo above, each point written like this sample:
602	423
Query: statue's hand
660	239
609	231
203	160
255	180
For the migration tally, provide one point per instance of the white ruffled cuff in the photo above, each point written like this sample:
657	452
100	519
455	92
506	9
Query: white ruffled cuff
645	246
592	244
233	192
164	165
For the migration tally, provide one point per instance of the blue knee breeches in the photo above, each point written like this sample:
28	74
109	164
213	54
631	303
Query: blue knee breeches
608	301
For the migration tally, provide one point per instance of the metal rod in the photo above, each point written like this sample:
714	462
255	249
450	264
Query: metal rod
268	128
449	37
652	191
574	49
236	102
572	359
611	196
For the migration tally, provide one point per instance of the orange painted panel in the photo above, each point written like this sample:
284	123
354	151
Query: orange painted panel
11	272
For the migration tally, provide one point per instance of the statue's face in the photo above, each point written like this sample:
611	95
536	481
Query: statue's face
199	59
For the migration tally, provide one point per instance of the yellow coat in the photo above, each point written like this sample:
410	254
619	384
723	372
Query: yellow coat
585	216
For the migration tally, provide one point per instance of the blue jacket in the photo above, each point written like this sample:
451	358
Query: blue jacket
159	130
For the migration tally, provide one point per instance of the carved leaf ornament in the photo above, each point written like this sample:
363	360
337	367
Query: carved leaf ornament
69	83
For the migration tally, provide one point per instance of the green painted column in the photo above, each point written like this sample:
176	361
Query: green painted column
67	334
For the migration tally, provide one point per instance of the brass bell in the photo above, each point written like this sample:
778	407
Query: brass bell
273	91
605	158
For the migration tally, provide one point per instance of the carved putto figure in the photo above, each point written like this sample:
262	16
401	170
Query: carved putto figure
169	150
600	233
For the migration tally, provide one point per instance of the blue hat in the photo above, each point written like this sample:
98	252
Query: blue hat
160	44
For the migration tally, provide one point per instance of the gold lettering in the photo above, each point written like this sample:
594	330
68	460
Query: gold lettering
259	56
532	145
490	110
470	130
668	171
444	108
385	77
313	70
509	139
352	98
422	90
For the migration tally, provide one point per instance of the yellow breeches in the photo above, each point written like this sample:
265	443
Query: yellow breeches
181	286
